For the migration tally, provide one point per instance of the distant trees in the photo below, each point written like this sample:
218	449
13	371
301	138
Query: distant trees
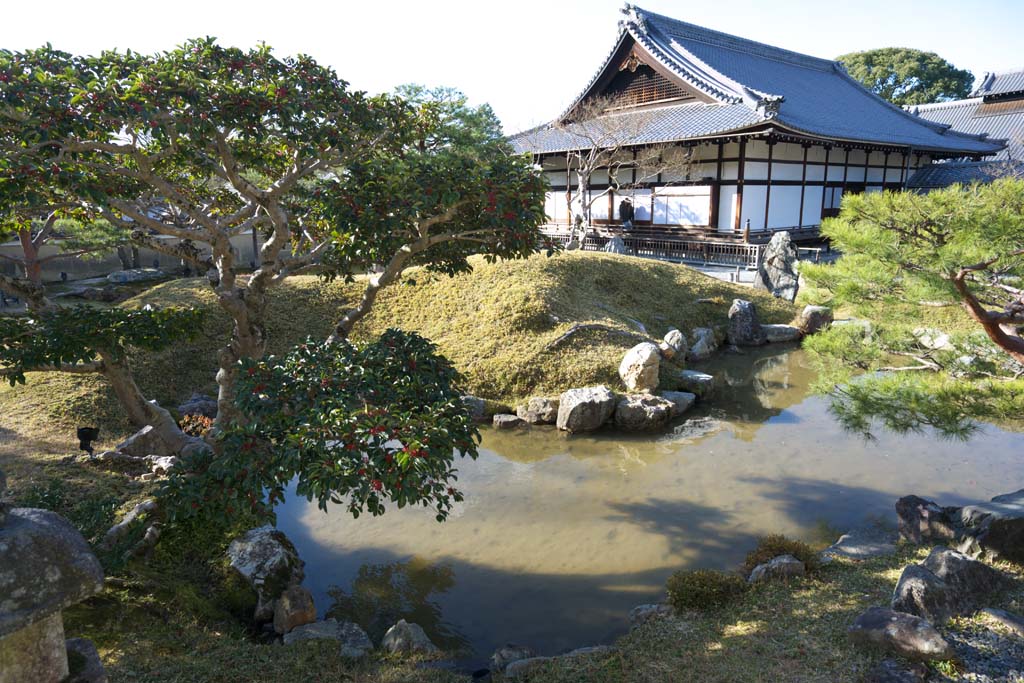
225	141
905	76
907	259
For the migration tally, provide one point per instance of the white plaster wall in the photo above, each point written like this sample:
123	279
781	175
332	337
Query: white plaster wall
812	206
753	207
784	208
726	208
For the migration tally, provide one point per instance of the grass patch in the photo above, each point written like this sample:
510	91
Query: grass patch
773	545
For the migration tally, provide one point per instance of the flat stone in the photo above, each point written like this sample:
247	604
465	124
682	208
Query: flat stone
1009	620
585	409
641	614
681	401
505	421
902	634
862	544
146	441
406	638
699	383
780	334
781	567
508	653
293	608
36	653
643	413
353	639
45	566
997	527
84	662
539	411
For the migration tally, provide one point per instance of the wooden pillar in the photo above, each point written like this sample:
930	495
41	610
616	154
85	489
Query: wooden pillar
716	189
739	185
803	188
824	187
885	170
846	169
867	167
768	187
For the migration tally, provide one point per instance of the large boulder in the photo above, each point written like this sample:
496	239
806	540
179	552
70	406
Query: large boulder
406	638
695	382
293	608
920	592
476	407
353	640
705	343
122	277
643	413
781	567
744	325
777	271
640	367
995	530
539	411
946	584
901	634
199	404
921	520
674	344
585	409
971	579
268	561
814	319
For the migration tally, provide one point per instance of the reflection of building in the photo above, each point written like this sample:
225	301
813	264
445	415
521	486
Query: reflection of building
772	138
996	109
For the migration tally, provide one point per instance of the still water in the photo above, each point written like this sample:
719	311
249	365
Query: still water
560	536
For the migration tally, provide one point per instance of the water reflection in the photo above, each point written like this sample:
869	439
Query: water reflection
560	536
381	594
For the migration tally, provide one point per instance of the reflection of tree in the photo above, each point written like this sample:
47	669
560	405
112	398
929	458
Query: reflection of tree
384	593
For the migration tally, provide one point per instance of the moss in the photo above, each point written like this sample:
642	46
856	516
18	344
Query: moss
771	546
703	588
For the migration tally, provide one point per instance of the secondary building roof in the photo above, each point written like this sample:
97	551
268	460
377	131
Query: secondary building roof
734	85
935	176
1000	85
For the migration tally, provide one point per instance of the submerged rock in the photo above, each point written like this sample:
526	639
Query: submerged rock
681	401
862	544
586	409
699	383
504	421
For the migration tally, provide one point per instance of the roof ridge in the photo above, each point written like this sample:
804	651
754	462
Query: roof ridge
733	42
942	105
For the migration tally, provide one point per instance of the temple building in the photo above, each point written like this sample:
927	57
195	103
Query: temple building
763	139
995	108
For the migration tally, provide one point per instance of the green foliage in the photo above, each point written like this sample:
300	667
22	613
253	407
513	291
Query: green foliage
75	335
702	589
353	425
773	545
905	76
92	515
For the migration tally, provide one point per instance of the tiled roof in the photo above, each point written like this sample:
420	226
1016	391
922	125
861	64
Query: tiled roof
645	126
964	172
798	92
1003	120
994	85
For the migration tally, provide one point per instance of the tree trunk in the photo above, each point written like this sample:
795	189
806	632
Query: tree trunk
140	411
122	255
135	257
33	268
248	340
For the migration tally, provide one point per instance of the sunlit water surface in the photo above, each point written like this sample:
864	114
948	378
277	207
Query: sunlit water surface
560	536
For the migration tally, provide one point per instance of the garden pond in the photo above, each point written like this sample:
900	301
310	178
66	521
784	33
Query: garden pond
560	536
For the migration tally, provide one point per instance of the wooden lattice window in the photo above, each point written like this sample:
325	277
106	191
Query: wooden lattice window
643	86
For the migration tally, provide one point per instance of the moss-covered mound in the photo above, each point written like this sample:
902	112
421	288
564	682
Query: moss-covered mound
495	323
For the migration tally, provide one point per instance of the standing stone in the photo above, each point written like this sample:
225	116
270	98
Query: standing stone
920	592
293	608
814	319
268	561
539	411
705	343
616	245
777	271
584	410
902	634
640	367
643	413
744	325
676	341
406	638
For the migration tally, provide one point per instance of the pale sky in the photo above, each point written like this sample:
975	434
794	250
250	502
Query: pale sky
527	58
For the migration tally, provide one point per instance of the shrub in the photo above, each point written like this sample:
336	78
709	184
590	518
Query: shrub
769	547
195	425
703	588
